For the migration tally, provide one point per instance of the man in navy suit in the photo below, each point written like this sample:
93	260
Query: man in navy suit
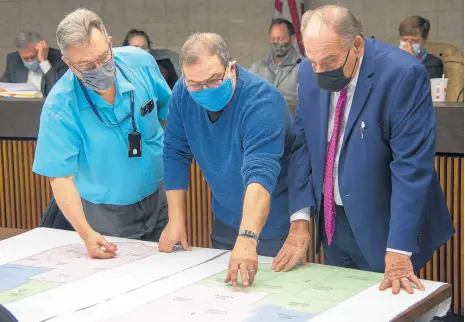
363	158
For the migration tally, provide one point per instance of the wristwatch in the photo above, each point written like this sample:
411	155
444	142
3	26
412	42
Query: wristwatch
248	233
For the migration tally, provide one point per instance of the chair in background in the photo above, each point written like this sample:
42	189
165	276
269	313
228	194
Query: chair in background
452	59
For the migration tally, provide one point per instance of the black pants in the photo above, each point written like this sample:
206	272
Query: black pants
224	237
144	220
344	250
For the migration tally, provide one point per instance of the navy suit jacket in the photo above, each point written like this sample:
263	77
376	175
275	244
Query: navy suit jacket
387	180
16	72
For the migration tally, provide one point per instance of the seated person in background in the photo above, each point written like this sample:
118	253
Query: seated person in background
167	60
281	67
33	62
413	33
238	128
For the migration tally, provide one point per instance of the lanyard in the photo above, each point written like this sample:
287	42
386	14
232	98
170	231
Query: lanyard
94	109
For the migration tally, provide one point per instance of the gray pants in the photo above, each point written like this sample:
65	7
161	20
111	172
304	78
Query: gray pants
144	220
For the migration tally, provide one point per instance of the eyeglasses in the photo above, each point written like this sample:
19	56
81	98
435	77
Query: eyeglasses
212	83
102	60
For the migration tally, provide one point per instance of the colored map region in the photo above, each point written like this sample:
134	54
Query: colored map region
50	269
298	295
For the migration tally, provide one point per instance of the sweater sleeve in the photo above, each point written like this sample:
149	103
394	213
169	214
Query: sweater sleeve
177	155
264	129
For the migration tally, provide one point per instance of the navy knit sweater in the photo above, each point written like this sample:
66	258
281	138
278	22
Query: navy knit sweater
250	142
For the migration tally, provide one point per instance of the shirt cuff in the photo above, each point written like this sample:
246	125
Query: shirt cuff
302	214
45	66
399	251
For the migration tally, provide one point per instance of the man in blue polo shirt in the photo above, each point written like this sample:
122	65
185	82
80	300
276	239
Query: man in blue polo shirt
100	139
238	128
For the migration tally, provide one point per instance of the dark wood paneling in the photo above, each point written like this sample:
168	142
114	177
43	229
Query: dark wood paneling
23	194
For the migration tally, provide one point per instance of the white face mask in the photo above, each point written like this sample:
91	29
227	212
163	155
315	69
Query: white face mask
416	47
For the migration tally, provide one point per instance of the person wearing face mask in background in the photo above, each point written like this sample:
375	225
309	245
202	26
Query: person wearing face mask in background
167	60
100	140
413	33
237	127
281	67
33	62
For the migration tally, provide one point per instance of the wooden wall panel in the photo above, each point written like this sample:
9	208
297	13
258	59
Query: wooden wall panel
198	207
24	197
23	194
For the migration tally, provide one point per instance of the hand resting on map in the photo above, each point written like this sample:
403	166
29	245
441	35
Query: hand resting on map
398	273
294	249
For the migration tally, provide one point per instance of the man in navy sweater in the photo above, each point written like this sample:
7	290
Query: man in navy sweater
238	128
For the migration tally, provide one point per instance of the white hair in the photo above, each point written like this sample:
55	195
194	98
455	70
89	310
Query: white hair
76	27
24	38
342	20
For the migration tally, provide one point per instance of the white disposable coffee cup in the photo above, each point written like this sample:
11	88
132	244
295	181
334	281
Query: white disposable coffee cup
439	89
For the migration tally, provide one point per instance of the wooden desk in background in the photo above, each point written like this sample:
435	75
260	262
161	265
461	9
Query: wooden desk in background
24	195
6	233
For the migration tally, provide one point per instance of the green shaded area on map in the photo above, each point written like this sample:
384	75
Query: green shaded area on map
32	287
313	288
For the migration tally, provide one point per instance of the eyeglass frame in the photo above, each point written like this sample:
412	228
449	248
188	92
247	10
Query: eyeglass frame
208	83
110	51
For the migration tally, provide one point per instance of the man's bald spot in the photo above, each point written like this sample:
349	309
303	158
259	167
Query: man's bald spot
324	19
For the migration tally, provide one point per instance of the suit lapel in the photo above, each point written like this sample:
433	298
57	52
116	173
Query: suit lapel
324	115
21	74
358	104
362	90
42	83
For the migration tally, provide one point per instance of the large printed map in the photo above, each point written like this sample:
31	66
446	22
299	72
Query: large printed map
295	296
47	270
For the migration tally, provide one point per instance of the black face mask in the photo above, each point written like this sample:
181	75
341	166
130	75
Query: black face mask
335	80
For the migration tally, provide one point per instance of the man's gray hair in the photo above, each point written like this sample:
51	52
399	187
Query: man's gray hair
342	20
199	43
75	28
24	38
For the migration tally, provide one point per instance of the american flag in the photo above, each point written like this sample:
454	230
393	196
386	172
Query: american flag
291	10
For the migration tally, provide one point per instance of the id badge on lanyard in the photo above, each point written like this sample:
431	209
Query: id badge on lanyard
134	138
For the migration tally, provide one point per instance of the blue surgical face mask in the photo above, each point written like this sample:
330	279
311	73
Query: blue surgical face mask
416	47
214	99
33	66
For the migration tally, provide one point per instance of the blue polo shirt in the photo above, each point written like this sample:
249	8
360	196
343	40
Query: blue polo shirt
73	141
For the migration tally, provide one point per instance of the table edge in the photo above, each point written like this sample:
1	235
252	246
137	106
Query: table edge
428	303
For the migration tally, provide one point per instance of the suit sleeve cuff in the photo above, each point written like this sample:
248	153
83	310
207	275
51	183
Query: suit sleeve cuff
303	214
45	66
399	251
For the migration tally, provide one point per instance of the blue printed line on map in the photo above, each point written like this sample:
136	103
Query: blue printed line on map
12	276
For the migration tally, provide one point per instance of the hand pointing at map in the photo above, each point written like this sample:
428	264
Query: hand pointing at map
98	246
69	201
